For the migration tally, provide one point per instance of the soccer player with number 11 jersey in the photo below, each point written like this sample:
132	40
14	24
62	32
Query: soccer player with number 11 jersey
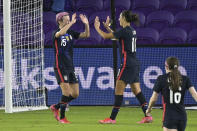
129	69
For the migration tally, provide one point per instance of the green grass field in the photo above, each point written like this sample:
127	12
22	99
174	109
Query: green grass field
85	118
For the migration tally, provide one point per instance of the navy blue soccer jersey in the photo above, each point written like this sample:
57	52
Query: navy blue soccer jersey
64	49
127	46
173	102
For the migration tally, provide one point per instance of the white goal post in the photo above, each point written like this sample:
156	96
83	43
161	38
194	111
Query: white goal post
22	52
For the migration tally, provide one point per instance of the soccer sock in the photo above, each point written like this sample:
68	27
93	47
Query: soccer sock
114	112
57	106
142	101
64	101
70	98
62	110
117	104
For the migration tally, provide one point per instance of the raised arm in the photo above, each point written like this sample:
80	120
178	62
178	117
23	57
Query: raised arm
193	93
107	25
86	33
152	101
66	27
101	33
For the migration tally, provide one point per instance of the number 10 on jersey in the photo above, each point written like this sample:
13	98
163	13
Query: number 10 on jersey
175	97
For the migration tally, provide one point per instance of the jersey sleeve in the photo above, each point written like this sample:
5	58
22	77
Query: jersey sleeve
188	83
157	86
53	34
74	34
119	34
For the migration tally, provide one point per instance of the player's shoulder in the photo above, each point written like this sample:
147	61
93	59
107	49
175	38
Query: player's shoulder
54	32
131	30
162	77
57	30
121	30
72	32
185	78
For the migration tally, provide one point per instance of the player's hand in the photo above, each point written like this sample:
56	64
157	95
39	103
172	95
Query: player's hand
107	22
73	21
84	19
96	23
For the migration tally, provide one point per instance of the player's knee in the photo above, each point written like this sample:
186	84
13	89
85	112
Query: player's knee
64	86
120	86
65	89
75	94
119	91
135	89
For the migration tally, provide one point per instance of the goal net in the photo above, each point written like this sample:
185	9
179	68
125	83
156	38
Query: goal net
21	55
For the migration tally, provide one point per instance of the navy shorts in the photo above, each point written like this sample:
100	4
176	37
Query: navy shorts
180	125
129	75
65	76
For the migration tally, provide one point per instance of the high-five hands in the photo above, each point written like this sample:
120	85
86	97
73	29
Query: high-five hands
84	19
107	22
73	21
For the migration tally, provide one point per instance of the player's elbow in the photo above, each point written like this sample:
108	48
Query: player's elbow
87	35
104	37
84	35
108	36
57	35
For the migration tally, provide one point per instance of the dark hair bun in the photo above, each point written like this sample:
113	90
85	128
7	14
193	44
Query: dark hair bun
130	17
134	17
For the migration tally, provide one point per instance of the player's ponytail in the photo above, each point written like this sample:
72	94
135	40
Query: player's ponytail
131	17
175	77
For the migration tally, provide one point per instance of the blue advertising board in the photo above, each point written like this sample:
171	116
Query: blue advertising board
94	69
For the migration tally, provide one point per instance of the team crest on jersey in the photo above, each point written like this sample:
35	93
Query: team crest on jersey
134	32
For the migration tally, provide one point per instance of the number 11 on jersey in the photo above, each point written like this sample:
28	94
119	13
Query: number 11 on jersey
134	44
